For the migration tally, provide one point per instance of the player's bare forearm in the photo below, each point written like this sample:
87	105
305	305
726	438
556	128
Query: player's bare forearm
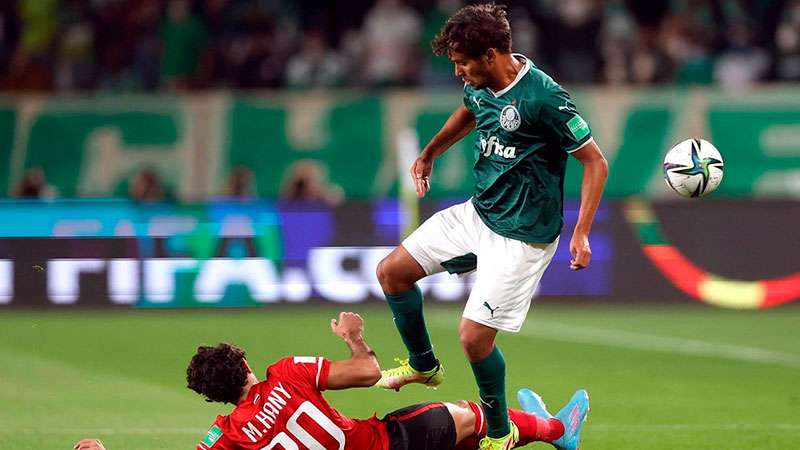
359	347
362	368
458	125
595	173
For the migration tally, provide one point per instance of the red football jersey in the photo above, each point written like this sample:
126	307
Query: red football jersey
286	411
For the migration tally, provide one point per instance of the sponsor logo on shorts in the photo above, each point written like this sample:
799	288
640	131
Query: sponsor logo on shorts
489	307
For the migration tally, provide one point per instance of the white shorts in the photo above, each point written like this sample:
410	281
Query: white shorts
508	270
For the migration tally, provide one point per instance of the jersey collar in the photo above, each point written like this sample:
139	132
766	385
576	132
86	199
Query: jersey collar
524	70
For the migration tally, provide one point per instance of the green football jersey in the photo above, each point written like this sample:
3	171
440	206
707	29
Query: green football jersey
524	133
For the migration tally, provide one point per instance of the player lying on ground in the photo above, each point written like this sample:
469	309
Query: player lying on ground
287	410
525	126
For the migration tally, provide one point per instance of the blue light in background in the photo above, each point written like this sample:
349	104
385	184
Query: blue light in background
303	227
389	220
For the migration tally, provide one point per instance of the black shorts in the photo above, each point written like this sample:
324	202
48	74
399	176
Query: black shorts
426	426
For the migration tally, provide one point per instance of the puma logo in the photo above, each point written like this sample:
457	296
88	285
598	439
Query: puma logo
477	101
489	307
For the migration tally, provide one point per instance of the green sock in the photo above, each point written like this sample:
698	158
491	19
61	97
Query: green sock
407	311
490	373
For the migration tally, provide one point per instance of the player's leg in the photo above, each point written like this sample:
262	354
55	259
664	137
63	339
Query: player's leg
571	417
470	425
458	425
489	369
426	426
398	274
435	246
508	276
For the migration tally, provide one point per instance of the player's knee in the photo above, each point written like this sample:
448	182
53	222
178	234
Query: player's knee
472	345
477	340
393	276
384	272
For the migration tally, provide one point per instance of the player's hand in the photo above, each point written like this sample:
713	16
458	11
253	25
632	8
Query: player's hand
349	327
421	174
89	444
580	250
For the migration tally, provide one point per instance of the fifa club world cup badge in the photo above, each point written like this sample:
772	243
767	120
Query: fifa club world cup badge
510	118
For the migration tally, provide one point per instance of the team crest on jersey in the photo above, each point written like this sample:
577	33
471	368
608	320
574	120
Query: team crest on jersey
510	119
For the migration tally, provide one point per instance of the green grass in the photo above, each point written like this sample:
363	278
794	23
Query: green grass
659	377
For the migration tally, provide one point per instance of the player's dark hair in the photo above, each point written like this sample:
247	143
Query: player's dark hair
218	373
473	30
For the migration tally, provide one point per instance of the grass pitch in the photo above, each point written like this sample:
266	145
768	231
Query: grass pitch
659	377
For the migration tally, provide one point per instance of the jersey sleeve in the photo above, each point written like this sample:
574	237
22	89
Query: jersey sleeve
311	370
560	119
467	100
215	439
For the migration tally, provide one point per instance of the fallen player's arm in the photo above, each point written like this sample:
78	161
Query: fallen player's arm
89	444
362	368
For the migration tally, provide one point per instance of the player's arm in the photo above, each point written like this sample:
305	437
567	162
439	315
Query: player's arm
89	444
460	123
362	368
595	172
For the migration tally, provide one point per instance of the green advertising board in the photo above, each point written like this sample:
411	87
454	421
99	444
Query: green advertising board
91	147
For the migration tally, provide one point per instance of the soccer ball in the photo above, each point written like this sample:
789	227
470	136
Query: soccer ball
693	168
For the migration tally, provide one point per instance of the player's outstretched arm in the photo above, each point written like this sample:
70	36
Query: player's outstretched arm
460	123
89	444
595	172
362	369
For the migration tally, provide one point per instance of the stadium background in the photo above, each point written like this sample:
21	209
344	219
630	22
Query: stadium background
179	173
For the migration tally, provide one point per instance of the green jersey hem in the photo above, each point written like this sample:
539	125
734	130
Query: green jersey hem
547	239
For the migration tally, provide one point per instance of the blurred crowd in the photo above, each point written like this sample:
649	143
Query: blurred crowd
179	45
306	180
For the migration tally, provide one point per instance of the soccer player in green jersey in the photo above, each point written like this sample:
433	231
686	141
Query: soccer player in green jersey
526	126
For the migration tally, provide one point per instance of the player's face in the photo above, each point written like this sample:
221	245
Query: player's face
251	377
472	71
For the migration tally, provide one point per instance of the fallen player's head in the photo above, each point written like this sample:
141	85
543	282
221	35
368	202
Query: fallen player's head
220	373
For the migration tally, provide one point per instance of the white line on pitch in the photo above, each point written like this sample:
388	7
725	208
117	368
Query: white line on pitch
641	341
